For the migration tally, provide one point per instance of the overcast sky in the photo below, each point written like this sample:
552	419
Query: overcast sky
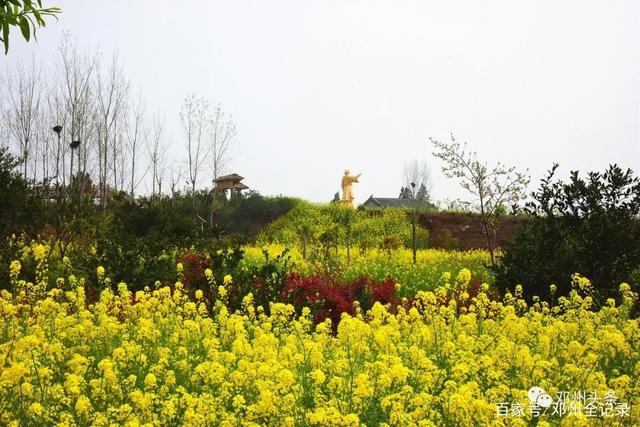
319	86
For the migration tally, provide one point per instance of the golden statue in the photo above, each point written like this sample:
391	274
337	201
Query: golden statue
347	191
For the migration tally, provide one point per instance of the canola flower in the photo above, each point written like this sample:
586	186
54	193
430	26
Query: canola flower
14	269
39	251
222	291
158	358
430	268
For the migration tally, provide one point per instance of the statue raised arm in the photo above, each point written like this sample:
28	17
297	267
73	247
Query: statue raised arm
347	188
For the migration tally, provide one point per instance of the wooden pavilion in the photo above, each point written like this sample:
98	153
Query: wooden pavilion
231	183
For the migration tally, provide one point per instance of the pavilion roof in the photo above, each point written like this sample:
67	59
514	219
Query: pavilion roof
231	177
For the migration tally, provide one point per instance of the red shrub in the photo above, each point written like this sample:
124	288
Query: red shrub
193	269
384	292
324	299
327	299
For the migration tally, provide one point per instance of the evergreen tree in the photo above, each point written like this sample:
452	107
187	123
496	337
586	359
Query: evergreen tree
405	193
422	193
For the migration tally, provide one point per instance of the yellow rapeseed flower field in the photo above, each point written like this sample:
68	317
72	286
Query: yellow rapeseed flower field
378	264
163	357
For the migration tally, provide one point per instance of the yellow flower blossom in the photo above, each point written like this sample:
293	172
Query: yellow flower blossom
83	405
14	268
464	276
156	358
238	401
39	251
36	409
318	376
150	381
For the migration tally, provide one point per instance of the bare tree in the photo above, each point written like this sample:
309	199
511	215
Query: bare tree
4	129
156	150
120	160
195	123
57	117
116	155
111	93
161	173
136	135
416	177
72	124
223	131
491	189
174	180
42	146
23	94
74	73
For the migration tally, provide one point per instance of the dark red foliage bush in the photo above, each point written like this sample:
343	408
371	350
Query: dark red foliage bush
328	299
384	292
193	265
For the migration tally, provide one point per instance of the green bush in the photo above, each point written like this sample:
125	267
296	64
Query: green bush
634	278
20	209
588	226
310	227
243	217
265	280
445	239
422	238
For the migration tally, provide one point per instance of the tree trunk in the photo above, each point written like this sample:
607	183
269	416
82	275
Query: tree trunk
133	169
213	188
304	246
485	226
414	246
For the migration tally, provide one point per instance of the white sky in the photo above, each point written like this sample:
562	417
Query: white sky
319	86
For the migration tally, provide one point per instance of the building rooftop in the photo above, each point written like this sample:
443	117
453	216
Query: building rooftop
232	177
390	202
238	186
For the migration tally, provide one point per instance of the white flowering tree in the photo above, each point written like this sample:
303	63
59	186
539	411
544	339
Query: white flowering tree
491	188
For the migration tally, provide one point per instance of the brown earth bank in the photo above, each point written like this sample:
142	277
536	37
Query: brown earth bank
464	231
